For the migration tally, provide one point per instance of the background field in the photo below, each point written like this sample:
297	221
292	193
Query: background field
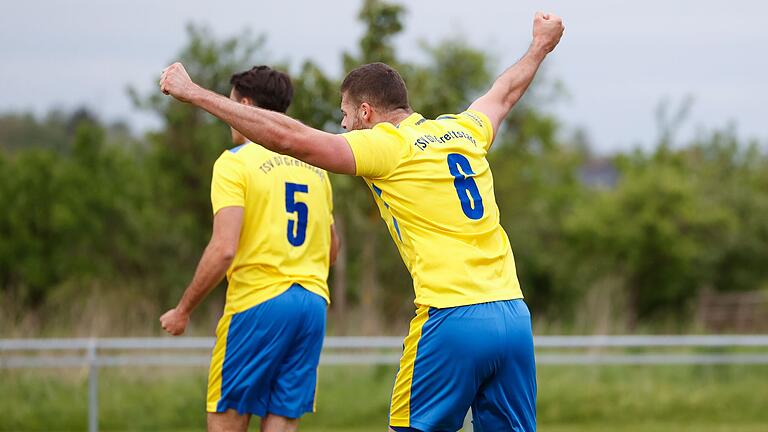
355	399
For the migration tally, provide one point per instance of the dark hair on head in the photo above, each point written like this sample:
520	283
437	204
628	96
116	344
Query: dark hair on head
266	87
378	84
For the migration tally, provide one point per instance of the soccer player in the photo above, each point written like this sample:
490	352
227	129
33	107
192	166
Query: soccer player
273	236
470	344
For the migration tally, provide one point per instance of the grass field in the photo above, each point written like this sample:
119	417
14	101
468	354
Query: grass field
355	399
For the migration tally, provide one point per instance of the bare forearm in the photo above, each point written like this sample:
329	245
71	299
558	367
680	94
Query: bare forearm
335	245
513	83
211	269
272	130
275	131
509	87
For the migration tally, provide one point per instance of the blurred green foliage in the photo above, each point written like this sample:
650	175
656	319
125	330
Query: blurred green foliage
89	208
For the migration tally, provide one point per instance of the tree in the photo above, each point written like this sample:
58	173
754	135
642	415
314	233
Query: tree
90	209
183	151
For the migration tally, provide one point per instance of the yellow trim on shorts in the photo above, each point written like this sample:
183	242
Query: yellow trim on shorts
217	363
400	408
317	387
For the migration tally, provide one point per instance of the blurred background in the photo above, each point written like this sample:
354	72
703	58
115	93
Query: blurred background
632	181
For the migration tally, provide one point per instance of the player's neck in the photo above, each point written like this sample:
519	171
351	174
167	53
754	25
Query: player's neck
397	116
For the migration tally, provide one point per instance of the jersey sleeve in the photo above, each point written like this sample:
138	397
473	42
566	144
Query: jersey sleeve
228	183
377	151
477	123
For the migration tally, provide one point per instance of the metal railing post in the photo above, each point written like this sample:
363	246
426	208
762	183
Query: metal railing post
93	387
468	422
613	350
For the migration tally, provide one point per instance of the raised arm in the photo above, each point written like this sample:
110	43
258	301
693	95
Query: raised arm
272	130
512	84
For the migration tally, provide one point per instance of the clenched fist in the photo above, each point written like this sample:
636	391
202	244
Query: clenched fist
174	322
547	30
175	81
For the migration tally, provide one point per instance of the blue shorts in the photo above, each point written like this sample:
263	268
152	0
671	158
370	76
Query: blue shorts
478	356
265	358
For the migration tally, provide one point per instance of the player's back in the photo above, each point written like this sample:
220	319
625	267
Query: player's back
437	198
285	238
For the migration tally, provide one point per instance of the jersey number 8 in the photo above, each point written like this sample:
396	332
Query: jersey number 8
466	188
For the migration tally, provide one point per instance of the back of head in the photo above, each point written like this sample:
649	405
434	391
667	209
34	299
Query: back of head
378	84
265	87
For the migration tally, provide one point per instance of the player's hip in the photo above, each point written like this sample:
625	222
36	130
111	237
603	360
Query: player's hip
491	327
281	305
245	293
254	346
450	352
466	289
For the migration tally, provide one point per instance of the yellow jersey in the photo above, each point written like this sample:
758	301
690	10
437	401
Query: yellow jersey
434	189
286	233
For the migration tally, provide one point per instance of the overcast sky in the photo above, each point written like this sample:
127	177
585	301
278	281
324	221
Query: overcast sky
618	59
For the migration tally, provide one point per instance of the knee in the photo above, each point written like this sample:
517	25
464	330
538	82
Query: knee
229	421
276	423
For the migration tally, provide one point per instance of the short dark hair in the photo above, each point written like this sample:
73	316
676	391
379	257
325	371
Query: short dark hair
266	87
378	84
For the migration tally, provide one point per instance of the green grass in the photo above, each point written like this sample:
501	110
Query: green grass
355	399
656	427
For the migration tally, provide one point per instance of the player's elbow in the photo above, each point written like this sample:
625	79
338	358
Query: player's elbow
504	95
224	252
299	143
510	99
502	98
228	255
283	143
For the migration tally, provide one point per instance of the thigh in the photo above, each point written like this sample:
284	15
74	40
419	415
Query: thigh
447	355
276	423
507	399
249	349
293	390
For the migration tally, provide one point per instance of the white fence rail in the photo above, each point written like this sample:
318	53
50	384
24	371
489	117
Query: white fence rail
189	351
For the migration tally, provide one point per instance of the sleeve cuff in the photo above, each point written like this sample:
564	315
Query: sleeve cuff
220	205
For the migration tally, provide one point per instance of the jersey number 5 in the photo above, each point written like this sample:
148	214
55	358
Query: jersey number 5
297	229
466	188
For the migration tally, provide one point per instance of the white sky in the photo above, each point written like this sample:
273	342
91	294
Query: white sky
618	59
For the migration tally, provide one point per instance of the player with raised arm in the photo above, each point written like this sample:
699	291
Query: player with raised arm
273	236
470	344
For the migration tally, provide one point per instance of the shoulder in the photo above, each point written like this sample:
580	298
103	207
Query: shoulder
383	139
475	122
386	132
480	119
377	151
236	149
245	151
232	159
469	117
